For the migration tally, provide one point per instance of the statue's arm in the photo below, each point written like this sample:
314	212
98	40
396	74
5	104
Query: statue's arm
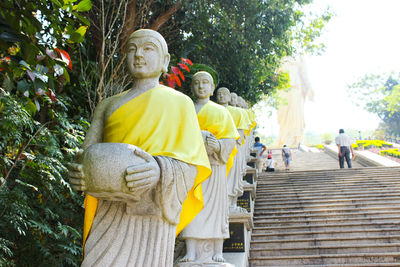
227	145
176	180
241	133
93	136
95	132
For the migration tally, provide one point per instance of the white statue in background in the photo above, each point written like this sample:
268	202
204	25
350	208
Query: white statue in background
291	110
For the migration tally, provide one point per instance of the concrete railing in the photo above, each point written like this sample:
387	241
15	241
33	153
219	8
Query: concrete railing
365	158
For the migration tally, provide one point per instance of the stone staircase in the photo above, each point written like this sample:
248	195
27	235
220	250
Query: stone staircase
348	217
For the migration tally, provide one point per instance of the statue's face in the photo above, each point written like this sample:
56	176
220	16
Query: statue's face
145	57
202	86
234	99
223	96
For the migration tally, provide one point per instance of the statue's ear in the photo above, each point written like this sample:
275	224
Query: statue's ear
212	88
167	57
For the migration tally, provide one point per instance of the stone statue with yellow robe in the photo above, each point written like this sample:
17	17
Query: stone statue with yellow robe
143	164
235	178
205	235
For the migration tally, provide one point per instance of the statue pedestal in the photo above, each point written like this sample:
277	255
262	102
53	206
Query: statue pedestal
251	176
252	162
253	152
236	248
246	201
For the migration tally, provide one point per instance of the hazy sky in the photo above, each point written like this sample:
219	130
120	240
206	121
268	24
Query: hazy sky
362	38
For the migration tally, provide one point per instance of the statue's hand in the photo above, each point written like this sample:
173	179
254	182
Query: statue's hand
204	134
76	174
212	143
142	177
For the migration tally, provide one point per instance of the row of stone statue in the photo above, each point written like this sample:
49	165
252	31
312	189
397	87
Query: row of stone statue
154	164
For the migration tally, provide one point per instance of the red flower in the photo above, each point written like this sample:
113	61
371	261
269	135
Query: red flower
170	81
184	67
51	94
186	60
65	57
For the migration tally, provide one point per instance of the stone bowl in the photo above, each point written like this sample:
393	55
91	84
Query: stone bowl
104	166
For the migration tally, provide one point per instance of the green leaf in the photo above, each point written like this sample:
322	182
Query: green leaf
81	18
81	30
78	35
30	107
23	86
84	5
57	3
9	37
66	75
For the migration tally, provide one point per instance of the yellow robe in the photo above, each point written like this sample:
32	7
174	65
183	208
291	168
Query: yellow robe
162	122
217	120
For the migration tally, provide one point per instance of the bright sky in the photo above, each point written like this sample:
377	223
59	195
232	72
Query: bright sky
363	37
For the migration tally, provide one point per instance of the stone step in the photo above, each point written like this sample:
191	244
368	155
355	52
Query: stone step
310	211
306	176
353	215
342	193
335	249
351	258
322	198
381	264
327	189
311	201
333	172
259	207
297	187
324	241
258	222
323	234
328	227
274	180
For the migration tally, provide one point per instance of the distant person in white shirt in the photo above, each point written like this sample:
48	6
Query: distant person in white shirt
343	142
270	164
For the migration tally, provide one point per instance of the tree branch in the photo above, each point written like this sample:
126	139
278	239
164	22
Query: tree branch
163	18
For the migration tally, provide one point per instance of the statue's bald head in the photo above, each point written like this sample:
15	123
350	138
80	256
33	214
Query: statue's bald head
223	96
223	90
234	99
203	73
143	33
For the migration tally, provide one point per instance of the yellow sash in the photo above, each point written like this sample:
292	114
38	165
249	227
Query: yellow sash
247	121
217	120
162	122
252	118
238	118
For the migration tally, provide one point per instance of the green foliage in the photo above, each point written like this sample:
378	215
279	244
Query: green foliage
41	216
327	138
40	129
244	41
380	94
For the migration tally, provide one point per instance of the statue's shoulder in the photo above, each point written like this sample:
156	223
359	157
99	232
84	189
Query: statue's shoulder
172	94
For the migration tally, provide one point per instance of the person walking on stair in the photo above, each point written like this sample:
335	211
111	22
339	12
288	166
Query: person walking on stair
286	156
260	151
344	144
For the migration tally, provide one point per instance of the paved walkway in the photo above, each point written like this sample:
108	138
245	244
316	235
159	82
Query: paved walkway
303	161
